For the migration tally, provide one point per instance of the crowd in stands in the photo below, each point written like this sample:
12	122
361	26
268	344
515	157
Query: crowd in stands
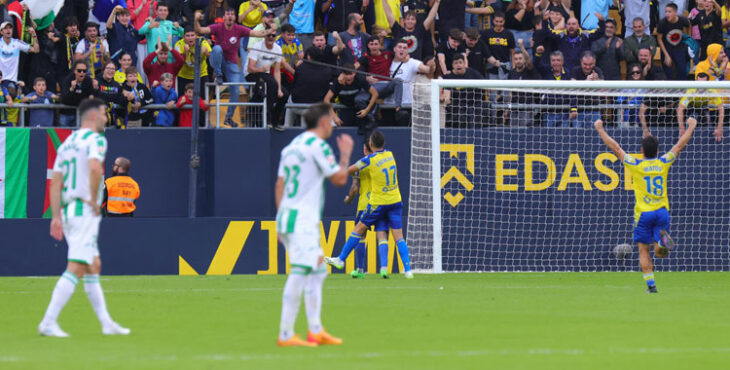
364	55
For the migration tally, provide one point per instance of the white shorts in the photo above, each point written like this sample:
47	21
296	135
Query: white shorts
81	235
303	248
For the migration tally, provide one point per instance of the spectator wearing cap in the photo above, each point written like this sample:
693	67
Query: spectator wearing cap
609	52
160	29
270	20
92	49
10	49
121	35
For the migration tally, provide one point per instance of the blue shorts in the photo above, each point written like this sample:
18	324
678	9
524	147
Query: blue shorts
383	217
650	224
358	215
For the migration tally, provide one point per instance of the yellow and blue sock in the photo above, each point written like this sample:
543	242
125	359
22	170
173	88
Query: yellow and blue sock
352	241
360	255
649	278
404	256
383	251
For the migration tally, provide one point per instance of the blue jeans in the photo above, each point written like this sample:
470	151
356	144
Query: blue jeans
243	52
230	71
556	120
67	121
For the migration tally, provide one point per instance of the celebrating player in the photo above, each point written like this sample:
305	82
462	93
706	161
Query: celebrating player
305	163
75	191
361	186
651	212
384	210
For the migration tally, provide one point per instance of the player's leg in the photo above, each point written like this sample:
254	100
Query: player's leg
368	219
293	289
313	304
360	256
95	294
643	236
395	223
62	292
647	268
382	238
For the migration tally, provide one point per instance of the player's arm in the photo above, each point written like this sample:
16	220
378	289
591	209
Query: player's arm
96	171
279	190
609	141
353	190
55	194
684	139
344	143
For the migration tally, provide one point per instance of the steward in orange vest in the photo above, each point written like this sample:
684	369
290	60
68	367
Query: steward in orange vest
120	191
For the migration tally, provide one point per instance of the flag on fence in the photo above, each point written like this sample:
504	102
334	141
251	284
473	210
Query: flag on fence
14	143
44	12
55	137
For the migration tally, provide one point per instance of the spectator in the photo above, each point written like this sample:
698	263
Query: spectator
186	115
250	14
92	49
76	87
518	19
484	11
121	34
46	62
715	65
501	44
705	109
649	71
377	62
639	39
477	52
337	13
573	41
669	36
381	19
555	115
140	11
186	47
292	51
354	39
311	82
346	87
448	50
709	22
40	117
633	10
421	8
125	61
5	98
15	95
111	92
224	56
156	64
303	20
630	116
138	96
270	20
215	12
609	52
10	49
450	17
67	46
263	60
160	30
655	108
553	8
165	94
584	116
416	34
542	41
522	70
329	52
590	11
465	108
120	191
405	69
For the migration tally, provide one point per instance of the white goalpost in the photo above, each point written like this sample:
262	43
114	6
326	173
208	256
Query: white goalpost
511	176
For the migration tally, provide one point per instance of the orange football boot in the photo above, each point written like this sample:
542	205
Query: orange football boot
323	338
295	341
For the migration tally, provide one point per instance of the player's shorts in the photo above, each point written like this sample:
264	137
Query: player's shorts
81	233
383	217
358	215
303	248
647	228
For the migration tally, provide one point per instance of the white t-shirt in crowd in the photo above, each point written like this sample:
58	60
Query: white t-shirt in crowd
264	59
10	57
407	73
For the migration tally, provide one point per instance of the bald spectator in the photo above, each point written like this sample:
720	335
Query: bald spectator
573	41
120	191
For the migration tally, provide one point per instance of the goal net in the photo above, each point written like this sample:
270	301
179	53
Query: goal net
512	176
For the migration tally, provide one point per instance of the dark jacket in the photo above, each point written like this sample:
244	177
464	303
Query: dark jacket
608	59
572	47
75	96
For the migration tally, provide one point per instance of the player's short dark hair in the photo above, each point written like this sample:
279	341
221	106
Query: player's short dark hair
650	145
367	144
315	112
377	139
673	6
288	28
87	105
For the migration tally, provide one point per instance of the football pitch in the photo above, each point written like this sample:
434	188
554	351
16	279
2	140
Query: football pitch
448	321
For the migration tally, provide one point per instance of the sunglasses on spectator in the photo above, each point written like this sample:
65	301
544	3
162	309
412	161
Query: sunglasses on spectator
273	35
635	72
81	70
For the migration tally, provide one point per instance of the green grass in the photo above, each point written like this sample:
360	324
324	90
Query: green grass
500	321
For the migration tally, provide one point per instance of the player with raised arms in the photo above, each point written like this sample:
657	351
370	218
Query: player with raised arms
384	210
651	212
304	166
75	193
360	186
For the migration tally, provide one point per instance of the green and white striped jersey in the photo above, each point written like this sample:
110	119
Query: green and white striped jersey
72	160
305	165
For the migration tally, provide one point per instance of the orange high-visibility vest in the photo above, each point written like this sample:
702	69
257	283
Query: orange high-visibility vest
122	191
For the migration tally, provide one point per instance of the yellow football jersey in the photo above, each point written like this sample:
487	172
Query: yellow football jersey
650	182
702	99
381	168
364	191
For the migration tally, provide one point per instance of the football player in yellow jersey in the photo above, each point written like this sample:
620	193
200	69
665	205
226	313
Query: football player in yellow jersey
651	212
383	211
361	186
